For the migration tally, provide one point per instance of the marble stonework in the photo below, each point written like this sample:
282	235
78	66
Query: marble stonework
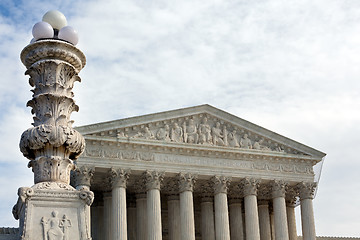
203	143
52	209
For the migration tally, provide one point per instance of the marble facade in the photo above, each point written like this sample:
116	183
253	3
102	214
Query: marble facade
195	173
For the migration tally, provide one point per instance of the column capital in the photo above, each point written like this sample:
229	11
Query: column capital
278	188
186	181
83	175
153	180
249	186
291	196
119	177
207	191
307	190
221	184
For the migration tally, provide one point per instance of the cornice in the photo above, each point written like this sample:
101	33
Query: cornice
199	150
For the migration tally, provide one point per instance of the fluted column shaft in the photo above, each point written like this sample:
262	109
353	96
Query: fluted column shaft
131	216
250	186
119	179
264	220
174	217
153	181
236	220
207	219
187	225
107	215
307	191
279	205
222	226
290	210
141	217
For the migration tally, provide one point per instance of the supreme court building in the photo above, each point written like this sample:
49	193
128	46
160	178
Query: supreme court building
195	173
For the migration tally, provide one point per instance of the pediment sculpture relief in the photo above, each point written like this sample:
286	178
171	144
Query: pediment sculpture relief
204	130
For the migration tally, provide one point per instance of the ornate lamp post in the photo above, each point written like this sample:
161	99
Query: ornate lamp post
53	63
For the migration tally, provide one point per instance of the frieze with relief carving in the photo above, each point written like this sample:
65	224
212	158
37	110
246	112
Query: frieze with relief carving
202	129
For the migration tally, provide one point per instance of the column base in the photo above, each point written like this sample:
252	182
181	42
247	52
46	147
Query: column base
50	210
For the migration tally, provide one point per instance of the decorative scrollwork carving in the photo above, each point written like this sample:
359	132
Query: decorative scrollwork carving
87	196
221	184
52	143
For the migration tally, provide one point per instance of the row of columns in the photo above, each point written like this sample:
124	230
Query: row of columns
220	220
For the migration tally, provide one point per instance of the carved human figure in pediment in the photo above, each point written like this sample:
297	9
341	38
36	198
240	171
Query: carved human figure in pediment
279	149
121	134
163	133
217	135
225	134
232	139
177	133
147	134
245	142
259	145
205	132
190	132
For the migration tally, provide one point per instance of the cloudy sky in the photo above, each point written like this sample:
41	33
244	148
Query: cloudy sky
289	66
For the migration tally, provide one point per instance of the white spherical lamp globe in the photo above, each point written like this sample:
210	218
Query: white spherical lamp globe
69	34
42	30
55	18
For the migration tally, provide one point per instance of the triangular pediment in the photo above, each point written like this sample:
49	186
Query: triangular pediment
202	125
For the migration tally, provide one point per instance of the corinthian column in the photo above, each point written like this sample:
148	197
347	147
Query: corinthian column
174	217
279	205
187	223
290	211
250	187
307	191
141	217
153	181
118	179
236	219
83	176
222	227
264	220
207	211
107	215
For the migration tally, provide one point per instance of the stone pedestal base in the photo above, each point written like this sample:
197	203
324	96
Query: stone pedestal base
51	210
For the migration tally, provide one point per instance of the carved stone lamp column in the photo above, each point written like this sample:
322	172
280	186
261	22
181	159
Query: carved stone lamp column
53	63
52	144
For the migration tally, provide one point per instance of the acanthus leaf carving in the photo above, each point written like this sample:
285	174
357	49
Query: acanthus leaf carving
52	143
